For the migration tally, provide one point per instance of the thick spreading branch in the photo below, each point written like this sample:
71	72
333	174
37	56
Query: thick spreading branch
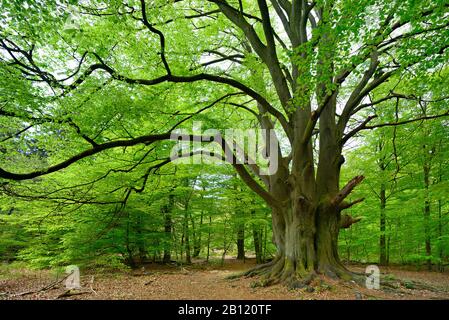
392	124
364	125
267	52
147	139
230	157
159	33
186	79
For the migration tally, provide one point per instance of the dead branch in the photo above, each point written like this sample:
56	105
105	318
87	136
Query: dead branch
45	288
347	220
70	293
346	205
347	189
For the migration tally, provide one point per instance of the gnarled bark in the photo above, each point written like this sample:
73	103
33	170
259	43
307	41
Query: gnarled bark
305	232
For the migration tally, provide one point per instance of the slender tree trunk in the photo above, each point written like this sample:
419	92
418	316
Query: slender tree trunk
226	245
440	235
186	238
182	242
382	240
168	233
194	234
388	246
208	238
140	239
128	245
197	240
440	222
383	204
175	241
168	229
240	224
264	239
426	169
240	235
257	239
241	242
186	231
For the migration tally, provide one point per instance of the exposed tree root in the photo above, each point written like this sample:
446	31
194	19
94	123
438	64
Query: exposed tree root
253	271
294	276
397	285
339	271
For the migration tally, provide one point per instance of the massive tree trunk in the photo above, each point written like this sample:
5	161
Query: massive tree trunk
306	238
306	225
306	212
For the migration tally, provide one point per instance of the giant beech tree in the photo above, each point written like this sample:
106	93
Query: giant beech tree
309	70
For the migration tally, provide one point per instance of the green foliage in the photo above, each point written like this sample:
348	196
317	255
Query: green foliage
395	159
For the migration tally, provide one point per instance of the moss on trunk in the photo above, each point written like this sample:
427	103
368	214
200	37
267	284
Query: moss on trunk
307	246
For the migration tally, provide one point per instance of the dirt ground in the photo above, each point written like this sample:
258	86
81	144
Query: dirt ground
205	281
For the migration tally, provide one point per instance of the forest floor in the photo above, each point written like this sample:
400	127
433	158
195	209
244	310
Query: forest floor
209	281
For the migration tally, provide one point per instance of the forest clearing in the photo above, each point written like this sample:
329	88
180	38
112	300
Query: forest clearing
224	149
